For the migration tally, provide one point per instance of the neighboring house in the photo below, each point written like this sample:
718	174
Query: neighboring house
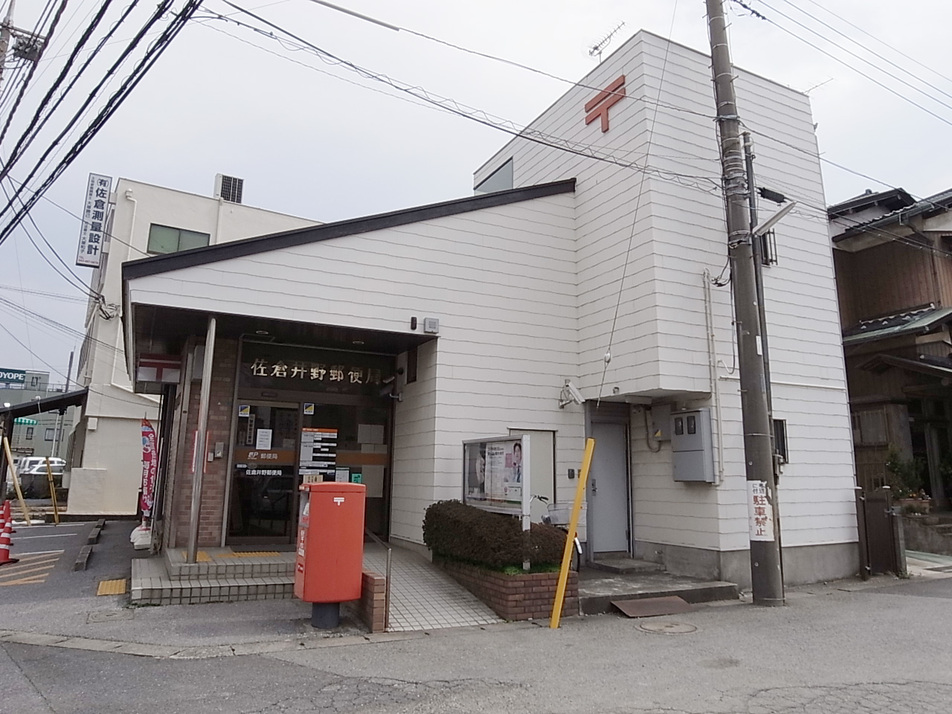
39	434
142	220
572	297
893	258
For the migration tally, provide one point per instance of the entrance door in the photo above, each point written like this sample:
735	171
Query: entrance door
264	487
608	489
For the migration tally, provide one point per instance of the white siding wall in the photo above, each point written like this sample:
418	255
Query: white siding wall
673	221
502	283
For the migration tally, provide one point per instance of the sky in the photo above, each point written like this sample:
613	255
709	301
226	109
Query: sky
314	139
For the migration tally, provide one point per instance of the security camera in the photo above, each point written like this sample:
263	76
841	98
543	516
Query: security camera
570	393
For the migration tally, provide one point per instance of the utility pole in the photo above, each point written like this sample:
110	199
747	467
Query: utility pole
765	570
6	31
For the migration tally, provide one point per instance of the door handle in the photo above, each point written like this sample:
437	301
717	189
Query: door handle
594	486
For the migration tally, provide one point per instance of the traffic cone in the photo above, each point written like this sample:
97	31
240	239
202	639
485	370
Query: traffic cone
8	515
5	544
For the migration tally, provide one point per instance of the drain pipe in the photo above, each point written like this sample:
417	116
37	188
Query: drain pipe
712	368
201	457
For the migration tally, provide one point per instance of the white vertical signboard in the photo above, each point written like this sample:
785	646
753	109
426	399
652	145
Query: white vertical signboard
760	511
93	230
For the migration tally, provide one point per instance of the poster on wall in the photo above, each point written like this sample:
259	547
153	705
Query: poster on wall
494	474
318	458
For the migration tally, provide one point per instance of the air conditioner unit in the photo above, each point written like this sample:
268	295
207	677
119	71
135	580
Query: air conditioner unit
228	188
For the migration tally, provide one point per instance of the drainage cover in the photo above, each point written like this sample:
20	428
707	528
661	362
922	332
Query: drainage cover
667	628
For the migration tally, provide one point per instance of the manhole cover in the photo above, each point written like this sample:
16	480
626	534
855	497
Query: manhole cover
667	628
109	615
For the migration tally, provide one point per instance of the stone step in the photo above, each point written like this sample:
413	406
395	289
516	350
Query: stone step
225	563
596	591
151	585
625	565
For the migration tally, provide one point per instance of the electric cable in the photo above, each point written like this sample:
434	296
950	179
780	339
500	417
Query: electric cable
844	63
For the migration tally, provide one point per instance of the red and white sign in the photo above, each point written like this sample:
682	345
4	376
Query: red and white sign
150	467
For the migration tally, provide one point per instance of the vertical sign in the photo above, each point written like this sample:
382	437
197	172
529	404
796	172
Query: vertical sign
93	230
150	465
760	511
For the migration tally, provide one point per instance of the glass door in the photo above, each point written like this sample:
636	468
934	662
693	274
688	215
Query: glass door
263	499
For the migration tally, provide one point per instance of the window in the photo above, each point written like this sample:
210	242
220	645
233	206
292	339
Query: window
780	440
498	180
34	381
869	427
29	433
48	436
164	239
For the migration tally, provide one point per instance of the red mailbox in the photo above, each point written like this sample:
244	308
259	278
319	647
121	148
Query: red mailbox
330	544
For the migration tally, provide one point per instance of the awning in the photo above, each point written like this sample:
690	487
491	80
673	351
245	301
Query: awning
23	421
60	402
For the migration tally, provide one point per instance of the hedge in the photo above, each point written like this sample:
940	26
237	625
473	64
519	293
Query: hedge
456	531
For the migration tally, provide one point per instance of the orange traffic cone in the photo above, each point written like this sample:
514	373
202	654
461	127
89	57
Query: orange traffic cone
7	515
5	544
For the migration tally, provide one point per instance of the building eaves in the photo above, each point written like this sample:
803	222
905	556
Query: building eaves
48	404
921	320
930	206
302	236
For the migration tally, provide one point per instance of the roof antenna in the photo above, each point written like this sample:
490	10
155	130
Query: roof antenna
599	46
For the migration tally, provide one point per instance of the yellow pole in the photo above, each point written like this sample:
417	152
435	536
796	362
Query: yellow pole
49	476
16	481
570	538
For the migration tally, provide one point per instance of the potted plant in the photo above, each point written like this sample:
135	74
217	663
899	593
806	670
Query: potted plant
905	479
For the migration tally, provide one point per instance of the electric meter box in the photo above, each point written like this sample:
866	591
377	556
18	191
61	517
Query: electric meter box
692	446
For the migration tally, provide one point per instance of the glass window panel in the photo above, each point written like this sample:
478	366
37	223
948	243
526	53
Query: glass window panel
163	239
192	239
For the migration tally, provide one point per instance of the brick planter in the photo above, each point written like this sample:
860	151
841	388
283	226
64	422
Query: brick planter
527	596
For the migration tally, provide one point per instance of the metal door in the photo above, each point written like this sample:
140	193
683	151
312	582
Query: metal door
608	489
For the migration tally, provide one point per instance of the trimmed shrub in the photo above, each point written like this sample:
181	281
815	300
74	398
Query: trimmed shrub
456	531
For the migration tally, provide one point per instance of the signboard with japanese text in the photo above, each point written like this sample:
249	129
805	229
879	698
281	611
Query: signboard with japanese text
303	369
760	511
318	455
150	467
494	472
92	234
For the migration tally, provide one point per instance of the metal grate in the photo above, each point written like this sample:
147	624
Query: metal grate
229	188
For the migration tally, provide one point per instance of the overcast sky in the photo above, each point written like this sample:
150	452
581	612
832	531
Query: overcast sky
316	140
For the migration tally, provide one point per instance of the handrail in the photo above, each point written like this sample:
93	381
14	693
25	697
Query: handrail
386	614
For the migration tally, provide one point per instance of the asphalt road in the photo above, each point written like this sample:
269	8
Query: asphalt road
847	647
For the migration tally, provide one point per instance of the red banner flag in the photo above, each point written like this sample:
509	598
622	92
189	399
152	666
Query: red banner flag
150	466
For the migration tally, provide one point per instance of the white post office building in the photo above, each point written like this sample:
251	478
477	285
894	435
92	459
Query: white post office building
575	295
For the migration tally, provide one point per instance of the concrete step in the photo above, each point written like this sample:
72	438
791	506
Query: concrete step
225	563
624	565
598	589
151	585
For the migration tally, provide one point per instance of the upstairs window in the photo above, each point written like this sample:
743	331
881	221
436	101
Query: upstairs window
165	239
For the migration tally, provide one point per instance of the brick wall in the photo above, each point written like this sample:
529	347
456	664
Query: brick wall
372	606
528	596
220	412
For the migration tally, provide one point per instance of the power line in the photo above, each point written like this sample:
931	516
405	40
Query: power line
845	64
155	50
481	117
875	54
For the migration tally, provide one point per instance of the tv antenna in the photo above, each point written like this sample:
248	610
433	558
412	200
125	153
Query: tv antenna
599	46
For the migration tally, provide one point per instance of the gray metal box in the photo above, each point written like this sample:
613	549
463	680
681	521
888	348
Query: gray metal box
692	446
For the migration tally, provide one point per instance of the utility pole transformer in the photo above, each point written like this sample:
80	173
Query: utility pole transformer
765	568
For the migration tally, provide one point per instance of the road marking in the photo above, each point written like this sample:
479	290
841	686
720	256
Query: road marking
112	587
32	569
55	535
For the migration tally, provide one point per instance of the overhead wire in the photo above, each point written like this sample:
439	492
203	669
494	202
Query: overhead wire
832	56
142	67
31	71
